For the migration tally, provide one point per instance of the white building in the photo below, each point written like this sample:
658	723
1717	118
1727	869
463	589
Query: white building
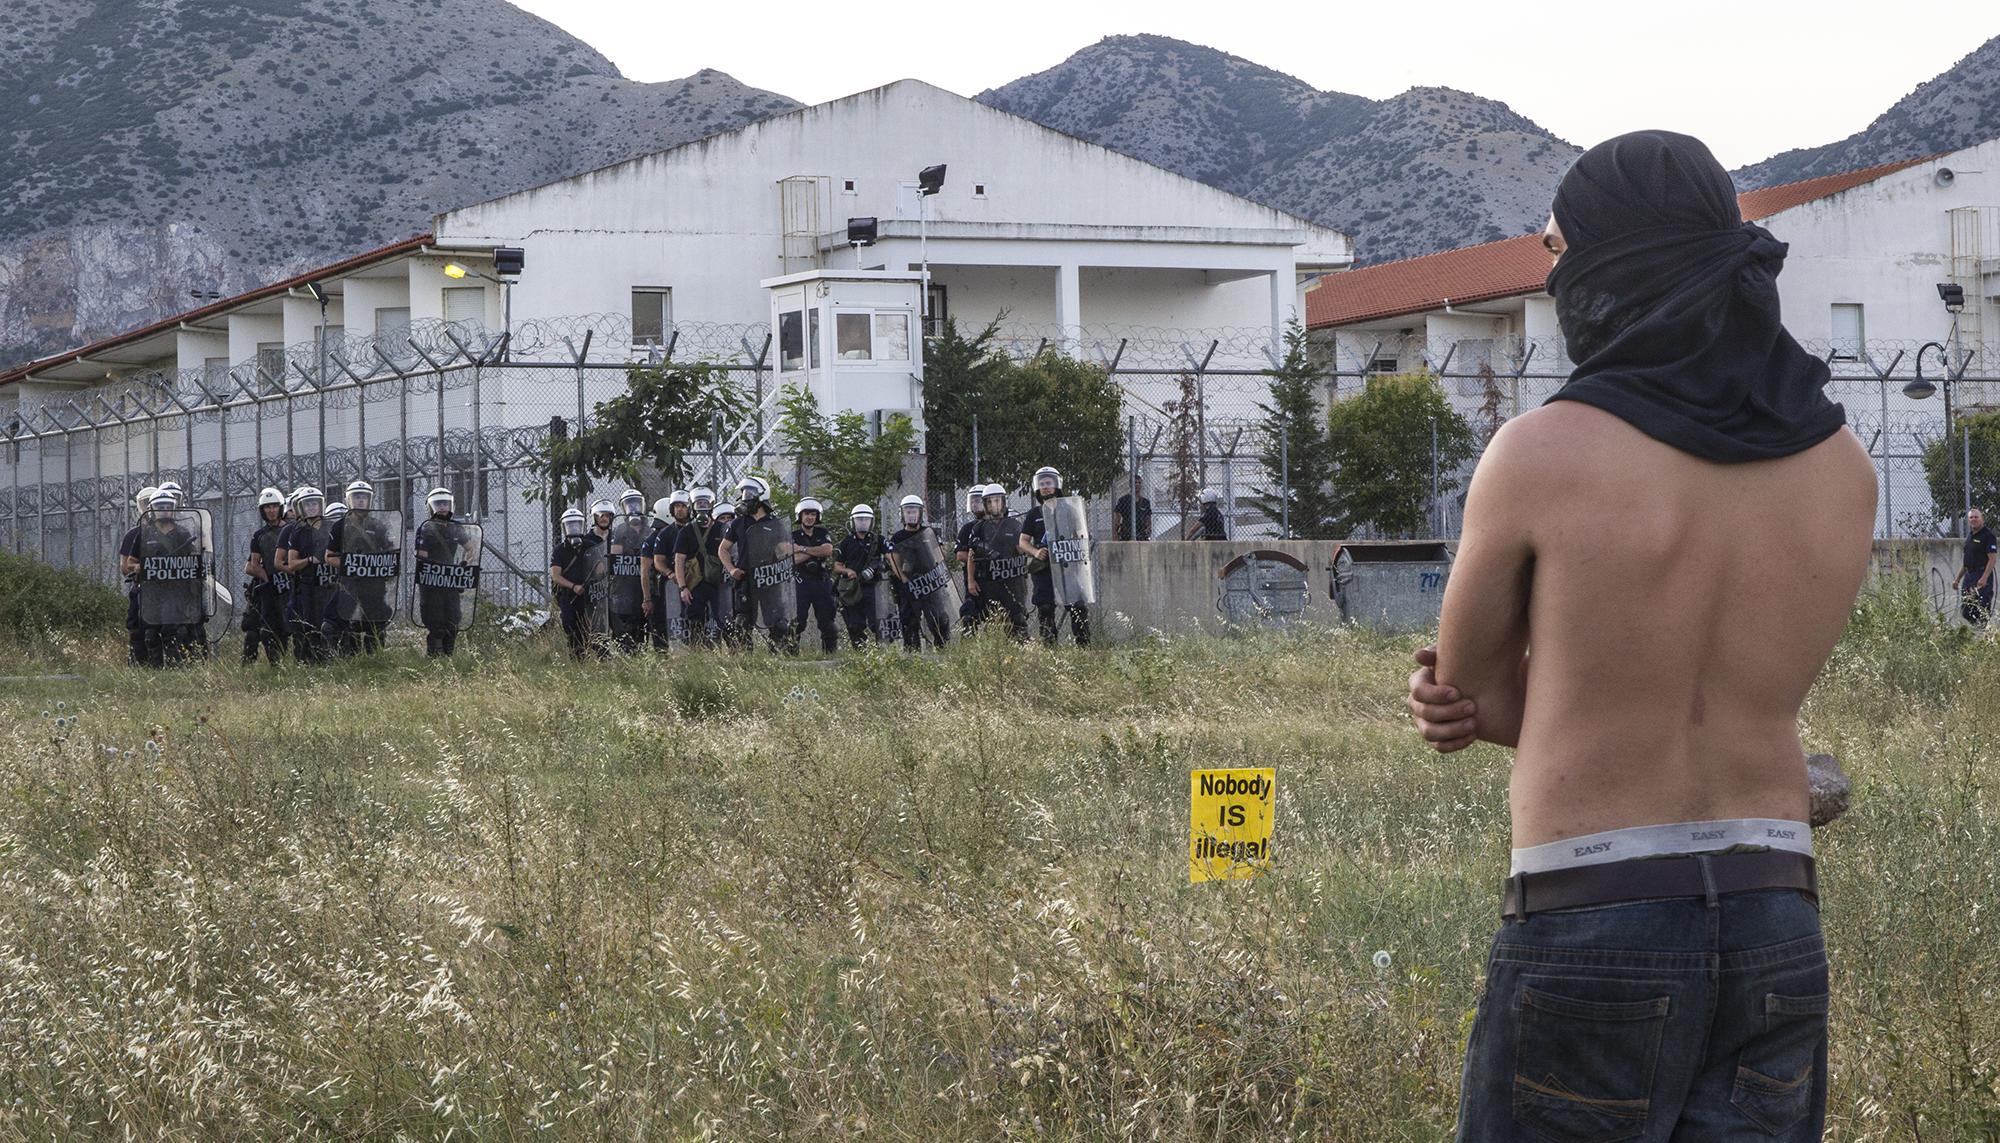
1860	288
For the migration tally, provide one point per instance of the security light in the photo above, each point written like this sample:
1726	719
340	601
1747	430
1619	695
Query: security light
1953	296
454	270
317	291
930	180
508	259
1919	389
862	231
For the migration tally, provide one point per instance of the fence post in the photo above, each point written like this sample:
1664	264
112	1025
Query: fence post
1285	474
1132	466
974	476
1888	490
1437	518
69	495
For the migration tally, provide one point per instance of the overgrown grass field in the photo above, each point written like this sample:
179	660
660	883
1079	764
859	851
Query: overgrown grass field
934	898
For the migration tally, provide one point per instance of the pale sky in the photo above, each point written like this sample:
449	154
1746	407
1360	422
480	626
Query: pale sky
1751	78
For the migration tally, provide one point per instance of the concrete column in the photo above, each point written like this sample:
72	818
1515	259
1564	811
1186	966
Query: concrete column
1282	291
1069	303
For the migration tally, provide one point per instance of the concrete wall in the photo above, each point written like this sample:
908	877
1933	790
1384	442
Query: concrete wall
1175	587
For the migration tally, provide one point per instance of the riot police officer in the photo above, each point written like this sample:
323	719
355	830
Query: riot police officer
656	568
128	567
170	562
857	570
1035	544
573	572
364	614
812	552
913	551
698	567
270	587
624	548
442	540
973	611
757	542
302	555
997	562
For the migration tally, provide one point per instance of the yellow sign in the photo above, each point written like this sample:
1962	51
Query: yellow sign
1229	823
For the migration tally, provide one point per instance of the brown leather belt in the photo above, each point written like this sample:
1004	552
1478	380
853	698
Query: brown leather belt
1656	878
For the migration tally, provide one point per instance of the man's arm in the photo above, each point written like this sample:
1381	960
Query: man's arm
1483	631
1986	577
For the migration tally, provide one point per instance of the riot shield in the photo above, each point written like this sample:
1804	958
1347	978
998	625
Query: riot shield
767	558
177	575
1067	536
626	590
445	558
929	578
597	593
1005	568
370	578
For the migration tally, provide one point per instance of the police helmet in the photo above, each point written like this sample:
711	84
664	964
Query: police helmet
701	494
270	496
1050	472
173	486
626	498
145	498
432	497
361	495
680	496
573	522
305	495
336	511
663	509
725	511
753	488
1210	496
603	508
975	496
165	500
807	505
867	510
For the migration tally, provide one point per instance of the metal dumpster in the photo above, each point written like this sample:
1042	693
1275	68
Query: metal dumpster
1390	585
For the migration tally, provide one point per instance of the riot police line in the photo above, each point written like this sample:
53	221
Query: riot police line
324	580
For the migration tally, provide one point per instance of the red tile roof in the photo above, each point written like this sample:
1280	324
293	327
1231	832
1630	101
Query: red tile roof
392	250
1513	266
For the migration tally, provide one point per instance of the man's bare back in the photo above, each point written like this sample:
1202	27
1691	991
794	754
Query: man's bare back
1678	611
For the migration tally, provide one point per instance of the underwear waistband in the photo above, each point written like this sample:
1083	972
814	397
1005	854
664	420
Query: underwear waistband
1665	840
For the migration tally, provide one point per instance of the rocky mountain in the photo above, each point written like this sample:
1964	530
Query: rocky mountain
1427	170
154	147
1957	109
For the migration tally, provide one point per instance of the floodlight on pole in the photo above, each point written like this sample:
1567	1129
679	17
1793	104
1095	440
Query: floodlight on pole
930	180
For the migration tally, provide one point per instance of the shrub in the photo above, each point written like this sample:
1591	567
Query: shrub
37	599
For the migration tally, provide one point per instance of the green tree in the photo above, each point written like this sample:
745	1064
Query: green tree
963	377
847	466
663	416
1944	466
1057	411
1298	453
1381	448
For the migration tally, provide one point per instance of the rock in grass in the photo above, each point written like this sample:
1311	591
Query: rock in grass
1830	788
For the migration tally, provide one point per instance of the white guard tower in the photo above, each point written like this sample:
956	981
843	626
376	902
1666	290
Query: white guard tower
853	338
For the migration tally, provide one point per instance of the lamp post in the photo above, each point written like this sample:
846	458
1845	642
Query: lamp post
1953	296
930	180
319	337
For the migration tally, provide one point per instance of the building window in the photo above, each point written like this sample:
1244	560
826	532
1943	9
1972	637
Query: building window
847	186
892	337
1382	365
215	376
978	190
812	336
851	337
392	337
1849	335
271	367
934	323
652	315
465	307
791	341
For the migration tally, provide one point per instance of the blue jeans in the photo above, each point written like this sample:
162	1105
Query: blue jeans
1683	1020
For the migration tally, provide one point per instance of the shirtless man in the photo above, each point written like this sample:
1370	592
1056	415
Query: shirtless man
1660	972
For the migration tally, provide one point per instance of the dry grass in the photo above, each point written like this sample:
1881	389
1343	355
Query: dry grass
928	899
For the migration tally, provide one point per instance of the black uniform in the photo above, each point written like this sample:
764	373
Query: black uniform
1124	526
360	531
1976	603
700	545
264	618
916	621
971	612
660	544
862	554
179	637
813	587
1213	526
135	628
312	590
576	558
999	593
441	611
1035	527
783	638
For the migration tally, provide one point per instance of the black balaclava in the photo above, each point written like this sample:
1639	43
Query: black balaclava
1668	302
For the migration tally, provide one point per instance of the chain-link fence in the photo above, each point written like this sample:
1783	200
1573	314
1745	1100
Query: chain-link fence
458	406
